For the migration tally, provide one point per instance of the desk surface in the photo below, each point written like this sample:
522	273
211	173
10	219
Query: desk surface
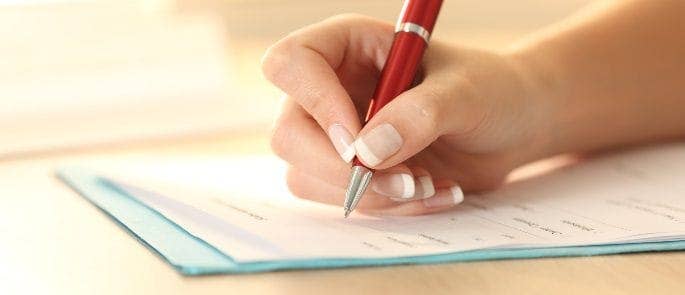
54	241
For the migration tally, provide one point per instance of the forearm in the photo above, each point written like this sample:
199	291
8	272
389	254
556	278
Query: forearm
615	75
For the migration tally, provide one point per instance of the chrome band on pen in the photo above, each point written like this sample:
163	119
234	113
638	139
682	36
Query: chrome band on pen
413	28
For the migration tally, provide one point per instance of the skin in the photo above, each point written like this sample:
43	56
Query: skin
610	76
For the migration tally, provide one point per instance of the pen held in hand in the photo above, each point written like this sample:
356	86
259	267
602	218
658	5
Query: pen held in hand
412	33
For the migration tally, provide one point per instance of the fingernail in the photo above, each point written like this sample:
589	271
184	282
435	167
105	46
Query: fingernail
445	197
427	187
342	141
379	144
394	185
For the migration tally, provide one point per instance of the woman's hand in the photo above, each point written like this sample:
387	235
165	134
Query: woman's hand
473	118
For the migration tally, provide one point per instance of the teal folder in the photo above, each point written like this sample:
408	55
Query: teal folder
191	255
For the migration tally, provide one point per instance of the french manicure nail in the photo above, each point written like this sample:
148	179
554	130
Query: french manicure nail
427	187
379	144
445	197
423	188
394	185
342	141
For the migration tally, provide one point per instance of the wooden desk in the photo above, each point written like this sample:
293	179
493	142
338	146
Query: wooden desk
53	241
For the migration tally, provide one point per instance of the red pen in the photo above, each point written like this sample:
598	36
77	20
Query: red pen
412	32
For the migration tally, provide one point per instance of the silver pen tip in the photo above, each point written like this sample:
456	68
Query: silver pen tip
359	180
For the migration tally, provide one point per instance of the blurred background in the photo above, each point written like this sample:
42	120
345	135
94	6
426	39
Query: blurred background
76	75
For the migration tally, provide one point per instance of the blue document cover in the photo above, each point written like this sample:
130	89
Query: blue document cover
191	255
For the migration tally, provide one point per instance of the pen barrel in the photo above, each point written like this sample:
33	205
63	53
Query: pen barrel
421	12
399	71
413	30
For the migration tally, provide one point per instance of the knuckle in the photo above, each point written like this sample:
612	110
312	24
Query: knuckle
272	63
276	59
281	138
320	109
311	102
294	182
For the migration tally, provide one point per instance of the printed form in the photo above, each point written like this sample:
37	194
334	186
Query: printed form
248	214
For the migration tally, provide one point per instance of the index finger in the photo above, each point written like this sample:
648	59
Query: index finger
304	66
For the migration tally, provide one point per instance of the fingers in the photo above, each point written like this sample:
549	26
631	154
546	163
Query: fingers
321	177
445	198
304	66
397	183
414	120
425	187
300	141
309	187
314	66
419	186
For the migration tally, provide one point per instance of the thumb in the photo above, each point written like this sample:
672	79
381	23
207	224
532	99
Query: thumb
412	121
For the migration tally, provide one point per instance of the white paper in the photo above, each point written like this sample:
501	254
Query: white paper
241	206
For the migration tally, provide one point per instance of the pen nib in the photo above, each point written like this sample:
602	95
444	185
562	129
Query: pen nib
359	180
